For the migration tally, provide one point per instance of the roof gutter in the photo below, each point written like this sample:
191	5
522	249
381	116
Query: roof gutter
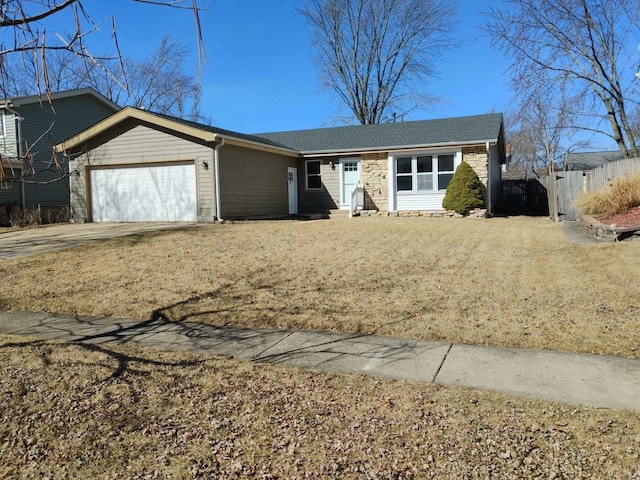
242	142
394	148
216	173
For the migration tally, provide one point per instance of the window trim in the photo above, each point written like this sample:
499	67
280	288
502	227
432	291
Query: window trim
307	175
434	154
3	124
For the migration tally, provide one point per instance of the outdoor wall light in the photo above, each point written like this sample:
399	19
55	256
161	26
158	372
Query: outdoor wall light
205	164
332	165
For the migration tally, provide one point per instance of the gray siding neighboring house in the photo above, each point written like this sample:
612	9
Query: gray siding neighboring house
118	166
41	123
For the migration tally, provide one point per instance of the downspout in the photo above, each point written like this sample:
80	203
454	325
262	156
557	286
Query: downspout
216	173
490	204
23	195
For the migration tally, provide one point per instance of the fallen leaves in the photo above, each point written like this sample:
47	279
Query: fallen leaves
177	415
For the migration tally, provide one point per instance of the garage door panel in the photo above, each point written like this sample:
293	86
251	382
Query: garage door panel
144	194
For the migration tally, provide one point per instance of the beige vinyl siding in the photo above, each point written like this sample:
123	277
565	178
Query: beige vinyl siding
325	199
253	183
135	144
43	127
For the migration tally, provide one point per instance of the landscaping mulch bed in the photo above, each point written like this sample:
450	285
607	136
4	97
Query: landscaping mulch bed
630	218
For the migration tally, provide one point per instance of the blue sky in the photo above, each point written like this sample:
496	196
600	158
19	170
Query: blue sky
260	75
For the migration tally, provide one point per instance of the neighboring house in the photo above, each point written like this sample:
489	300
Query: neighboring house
141	166
29	128
589	160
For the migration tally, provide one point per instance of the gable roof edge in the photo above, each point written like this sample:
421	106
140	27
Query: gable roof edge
162	121
28	99
130	112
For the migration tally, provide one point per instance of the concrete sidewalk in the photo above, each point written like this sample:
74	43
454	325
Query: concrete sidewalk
590	380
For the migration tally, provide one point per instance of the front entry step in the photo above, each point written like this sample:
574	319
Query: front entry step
338	213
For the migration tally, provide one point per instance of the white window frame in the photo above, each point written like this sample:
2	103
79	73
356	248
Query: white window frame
457	159
3	124
307	175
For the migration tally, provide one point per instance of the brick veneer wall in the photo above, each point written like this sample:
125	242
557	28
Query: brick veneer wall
478	158
375	171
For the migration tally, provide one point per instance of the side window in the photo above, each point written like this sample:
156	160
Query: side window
404	174
425	173
446	169
314	179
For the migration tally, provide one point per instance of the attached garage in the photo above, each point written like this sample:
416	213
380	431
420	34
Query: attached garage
137	166
156	193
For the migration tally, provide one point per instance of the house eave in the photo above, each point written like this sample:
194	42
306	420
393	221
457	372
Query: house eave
258	146
127	113
150	118
392	148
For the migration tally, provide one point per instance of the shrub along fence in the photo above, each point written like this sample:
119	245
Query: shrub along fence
564	187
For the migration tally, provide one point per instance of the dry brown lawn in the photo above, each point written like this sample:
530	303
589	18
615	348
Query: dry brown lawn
84	411
504	281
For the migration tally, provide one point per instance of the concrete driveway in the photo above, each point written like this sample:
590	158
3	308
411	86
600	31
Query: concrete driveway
23	243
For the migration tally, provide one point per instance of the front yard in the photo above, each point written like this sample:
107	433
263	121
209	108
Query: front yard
504	281
100	411
88	411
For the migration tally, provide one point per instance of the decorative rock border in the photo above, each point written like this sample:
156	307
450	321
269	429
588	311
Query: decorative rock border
475	213
608	233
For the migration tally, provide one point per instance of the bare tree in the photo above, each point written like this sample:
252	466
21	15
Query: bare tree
541	130
579	43
377	54
157	82
27	40
27	24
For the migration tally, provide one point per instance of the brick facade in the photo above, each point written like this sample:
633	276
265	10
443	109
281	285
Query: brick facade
375	175
375	179
478	158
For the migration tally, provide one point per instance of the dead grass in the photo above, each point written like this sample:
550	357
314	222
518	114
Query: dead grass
83	411
513	282
620	196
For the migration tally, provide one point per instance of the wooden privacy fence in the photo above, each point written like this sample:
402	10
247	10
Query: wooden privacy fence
601	177
564	187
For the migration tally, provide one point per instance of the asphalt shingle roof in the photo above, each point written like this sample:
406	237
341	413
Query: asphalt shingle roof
591	160
222	131
479	128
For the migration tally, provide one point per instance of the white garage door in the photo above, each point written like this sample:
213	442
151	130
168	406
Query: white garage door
164	193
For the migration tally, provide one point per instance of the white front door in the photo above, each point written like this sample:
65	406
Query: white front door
292	173
349	178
